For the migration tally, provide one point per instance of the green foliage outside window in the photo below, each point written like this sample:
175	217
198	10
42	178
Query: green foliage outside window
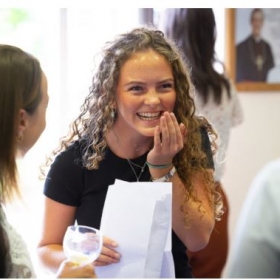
12	18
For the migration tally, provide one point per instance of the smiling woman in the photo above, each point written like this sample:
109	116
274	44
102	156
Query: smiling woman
141	96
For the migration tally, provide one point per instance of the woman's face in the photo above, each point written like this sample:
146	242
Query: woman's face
35	124
145	90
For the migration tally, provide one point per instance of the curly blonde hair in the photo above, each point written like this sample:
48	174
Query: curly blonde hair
95	118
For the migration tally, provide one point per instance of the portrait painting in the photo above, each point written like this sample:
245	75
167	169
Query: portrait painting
253	48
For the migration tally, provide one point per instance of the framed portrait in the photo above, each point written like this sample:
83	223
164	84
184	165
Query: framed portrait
253	48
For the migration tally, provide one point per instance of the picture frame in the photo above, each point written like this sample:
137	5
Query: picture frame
237	30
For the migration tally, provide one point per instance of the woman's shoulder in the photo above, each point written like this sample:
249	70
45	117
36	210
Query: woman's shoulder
271	173
71	156
18	262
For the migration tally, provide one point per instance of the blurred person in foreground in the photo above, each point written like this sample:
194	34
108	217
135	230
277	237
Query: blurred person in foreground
256	247
23	100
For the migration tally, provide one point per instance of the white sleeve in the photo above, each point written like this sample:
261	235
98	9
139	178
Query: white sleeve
237	110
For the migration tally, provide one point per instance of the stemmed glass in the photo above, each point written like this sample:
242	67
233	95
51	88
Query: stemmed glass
82	244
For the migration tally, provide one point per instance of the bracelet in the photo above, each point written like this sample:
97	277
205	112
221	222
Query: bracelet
166	177
160	166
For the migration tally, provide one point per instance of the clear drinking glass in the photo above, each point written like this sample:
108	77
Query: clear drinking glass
82	244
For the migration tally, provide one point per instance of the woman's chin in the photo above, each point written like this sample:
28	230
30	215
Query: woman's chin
149	132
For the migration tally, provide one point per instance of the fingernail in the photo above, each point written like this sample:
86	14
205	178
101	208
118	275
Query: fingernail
114	244
117	256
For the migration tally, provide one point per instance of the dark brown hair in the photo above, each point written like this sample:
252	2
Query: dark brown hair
194	30
254	11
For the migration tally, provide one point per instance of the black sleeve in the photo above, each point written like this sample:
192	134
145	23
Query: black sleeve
206	146
270	57
64	182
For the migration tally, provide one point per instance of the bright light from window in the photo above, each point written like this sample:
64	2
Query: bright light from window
66	42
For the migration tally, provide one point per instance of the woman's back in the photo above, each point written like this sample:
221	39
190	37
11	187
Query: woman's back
223	116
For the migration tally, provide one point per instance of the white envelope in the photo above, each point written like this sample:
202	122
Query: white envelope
138	216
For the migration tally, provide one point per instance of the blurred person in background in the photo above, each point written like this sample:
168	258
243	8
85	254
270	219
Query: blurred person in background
194	31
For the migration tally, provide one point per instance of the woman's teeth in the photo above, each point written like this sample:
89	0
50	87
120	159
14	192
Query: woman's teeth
149	116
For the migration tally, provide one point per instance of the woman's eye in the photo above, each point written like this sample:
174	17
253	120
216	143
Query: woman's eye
167	85
135	88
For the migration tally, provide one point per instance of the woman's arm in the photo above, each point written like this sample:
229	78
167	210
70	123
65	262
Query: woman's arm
168	141
200	214
57	218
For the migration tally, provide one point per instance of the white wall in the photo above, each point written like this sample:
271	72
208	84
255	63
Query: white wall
252	144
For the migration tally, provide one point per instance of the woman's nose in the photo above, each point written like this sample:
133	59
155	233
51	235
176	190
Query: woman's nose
152	98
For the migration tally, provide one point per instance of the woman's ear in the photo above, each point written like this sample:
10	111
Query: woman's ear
113	108
114	105
23	123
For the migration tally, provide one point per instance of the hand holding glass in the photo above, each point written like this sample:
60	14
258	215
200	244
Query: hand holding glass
82	244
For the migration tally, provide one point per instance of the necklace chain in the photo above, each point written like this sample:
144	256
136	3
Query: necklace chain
129	161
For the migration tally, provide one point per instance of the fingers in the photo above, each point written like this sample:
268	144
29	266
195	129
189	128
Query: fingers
165	127
183	130
171	132
108	242
168	140
179	131
69	269
157	138
174	129
108	254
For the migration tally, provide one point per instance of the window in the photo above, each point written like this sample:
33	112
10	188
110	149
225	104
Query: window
66	42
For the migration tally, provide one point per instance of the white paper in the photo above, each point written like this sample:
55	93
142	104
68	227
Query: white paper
130	212
158	242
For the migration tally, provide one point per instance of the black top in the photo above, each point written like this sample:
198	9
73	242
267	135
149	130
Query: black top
70	183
